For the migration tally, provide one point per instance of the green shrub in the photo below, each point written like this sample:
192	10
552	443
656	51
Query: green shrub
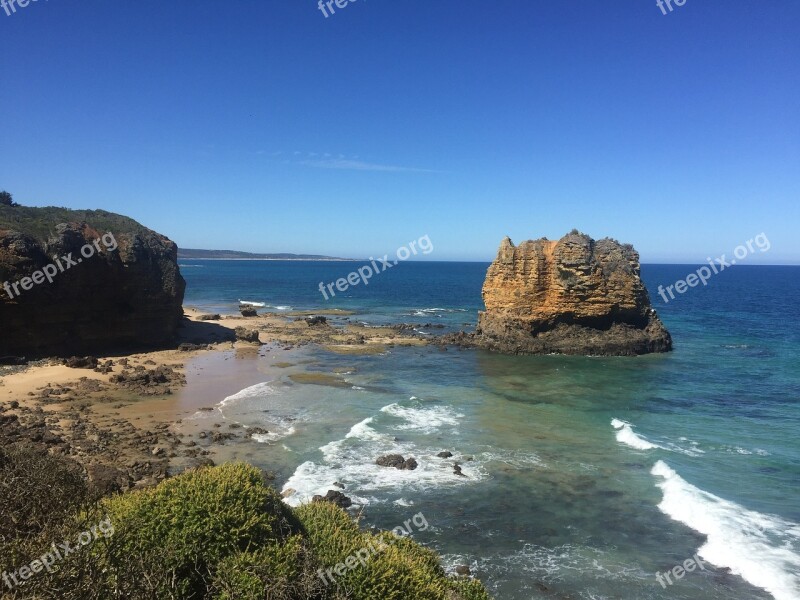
469	589
396	568
331	532
212	533
190	523
400	569
286	570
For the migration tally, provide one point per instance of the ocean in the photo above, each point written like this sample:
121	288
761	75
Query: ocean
584	477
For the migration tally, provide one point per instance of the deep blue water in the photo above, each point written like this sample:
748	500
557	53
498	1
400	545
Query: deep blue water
588	475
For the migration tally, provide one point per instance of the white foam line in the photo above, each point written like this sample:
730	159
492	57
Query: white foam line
625	435
764	550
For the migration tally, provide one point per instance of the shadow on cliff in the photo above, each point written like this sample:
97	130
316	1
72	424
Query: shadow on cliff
203	332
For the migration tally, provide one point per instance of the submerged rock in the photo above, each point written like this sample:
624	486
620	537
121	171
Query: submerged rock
316	320
397	461
573	296
334	497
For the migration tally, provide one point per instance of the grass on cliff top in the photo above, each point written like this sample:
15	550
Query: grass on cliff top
210	534
40	223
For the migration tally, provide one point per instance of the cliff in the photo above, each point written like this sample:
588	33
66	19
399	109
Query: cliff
573	296
78	282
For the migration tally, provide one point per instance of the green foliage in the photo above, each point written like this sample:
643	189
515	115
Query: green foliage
216	533
6	199
40	223
286	570
469	589
200	517
394	568
333	535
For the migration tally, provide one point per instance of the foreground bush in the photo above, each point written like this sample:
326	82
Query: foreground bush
221	533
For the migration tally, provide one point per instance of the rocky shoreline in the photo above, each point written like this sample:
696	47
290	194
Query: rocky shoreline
112	414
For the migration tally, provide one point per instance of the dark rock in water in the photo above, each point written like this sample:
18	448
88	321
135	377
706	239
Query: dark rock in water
339	485
248	311
214	317
257	431
463	570
334	497
410	465
445	454
316	320
247	335
457	470
391	460
220	438
573	296
118	285
397	461
81	362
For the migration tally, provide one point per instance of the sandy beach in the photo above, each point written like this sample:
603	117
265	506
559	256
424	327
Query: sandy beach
124	420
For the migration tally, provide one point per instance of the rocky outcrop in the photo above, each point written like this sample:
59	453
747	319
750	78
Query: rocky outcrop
397	461
243	334
573	296
112	284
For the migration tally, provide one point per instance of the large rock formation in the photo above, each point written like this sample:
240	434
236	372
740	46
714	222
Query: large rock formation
127	294
573	296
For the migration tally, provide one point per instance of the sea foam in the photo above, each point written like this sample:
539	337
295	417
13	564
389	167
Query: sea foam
625	435
762	549
351	460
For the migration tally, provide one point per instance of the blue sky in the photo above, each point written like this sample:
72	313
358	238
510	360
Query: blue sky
265	126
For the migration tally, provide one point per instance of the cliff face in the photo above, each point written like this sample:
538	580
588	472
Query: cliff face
573	296
112	283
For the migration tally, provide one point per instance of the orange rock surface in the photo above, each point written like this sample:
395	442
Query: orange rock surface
573	296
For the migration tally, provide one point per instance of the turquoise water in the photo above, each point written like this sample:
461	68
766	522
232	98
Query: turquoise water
584	476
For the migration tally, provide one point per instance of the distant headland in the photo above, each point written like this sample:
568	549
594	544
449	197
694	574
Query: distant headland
194	254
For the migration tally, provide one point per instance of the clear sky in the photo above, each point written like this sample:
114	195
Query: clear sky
262	125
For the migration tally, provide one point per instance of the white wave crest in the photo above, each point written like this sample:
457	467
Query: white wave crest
762	549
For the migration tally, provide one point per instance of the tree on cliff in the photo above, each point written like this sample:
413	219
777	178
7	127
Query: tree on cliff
6	199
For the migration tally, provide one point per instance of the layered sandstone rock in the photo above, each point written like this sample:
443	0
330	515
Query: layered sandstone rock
128	293
573	296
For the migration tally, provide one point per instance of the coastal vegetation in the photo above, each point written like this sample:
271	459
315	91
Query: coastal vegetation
211	533
40	222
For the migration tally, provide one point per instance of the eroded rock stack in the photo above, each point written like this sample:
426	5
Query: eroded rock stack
573	296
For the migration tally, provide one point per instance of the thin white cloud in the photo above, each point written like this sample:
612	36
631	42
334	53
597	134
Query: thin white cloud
326	160
359	165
